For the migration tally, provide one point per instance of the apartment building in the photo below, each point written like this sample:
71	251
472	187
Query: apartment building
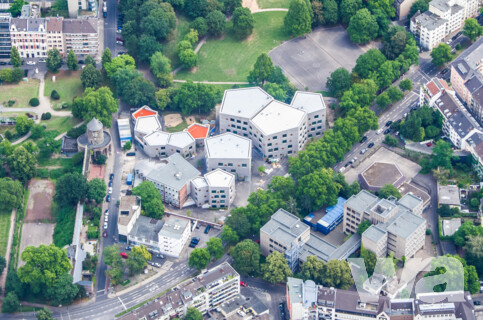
403	8
397	226
429	28
275	128
231	153
173	236
172	176
5	44
55	37
29	36
129	212
205	292
308	301
453	11
81	36
215	190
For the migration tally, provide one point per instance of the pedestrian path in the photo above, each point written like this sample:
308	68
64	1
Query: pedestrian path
3	276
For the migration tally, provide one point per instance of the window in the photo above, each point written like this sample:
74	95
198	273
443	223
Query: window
316	116
222	191
269	144
220	164
245	123
238	127
213	191
230	164
270	150
232	120
284	141
238	121
223	196
274	137
276	149
244	165
233	170
217	196
284	135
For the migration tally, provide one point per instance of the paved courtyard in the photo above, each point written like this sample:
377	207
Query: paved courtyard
308	61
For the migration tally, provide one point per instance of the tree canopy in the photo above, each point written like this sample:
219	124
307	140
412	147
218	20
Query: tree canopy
441	54
22	164
151	200
243	22
262	69
199	258
53	60
199	97
215	248
72	63
11	194
363	27
246	257
99	104
96	190
298	21
335	273
472	29
276	269
91	77
71	188
389	190
339	81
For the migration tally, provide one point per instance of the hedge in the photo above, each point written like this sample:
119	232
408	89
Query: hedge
34	102
64	227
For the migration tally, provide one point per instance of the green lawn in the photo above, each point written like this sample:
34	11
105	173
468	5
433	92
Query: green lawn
229	59
67	84
21	93
4	228
180	127
169	47
60	124
265	4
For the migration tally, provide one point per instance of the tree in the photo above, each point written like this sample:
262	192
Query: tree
466	229
348	8
3	264
16	7
246	257
441	54
159	22
23	124
71	188
188	58
151	201
442	153
389	190
96	190
44	314
43	267
390	140
383	100
72	63
91	77
199	258
474	252
99	104
161	68
215	248
337	273
64	290
111	254
419	5
472	29
243	22
90	61
363	226
216	23
369	62
275	91
22	164
13	284
276	269
298	21
11	195
124	61
196	8
406	85
387	72
137	260
147	46
127	146
196	96
363	27
193	314
262	70
10	303
339	81
318	10
199	24
228	235
331	12
163	97
385	7
312	269
394	94
106	58
54	60
370	260
317	189
229	6
395	40
15	57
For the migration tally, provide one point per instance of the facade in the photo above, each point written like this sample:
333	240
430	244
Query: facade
182	143
172	176
129	212
205	292
34	36
231	153
276	129
124	129
397	226
215	190
402	8
173	236
5	44
429	28
308	301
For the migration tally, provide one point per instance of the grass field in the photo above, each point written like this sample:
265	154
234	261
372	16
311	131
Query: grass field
60	124
229	59
67	84
169	47
265	4
4	228
21	93
180	127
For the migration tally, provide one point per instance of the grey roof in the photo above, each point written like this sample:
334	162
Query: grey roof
429	20
442	5
383	208
244	102
308	101
94	125
295	289
450	226
127	207
449	195
469	59
80	25
361	201
476	141
146	228
404	223
174	227
326	251
349	301
374	233
174	171
455	113
410	201
28	24
284	227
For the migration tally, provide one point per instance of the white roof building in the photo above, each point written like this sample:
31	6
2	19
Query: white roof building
157	138
146	125
277	117
245	102
219	178
180	140
308	101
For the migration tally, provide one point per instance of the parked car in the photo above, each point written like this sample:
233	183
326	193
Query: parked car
354	160
243	284
104	234
364	138
43	60
363	150
124	255
370	145
81	61
157	265
128	248
477	303
120	42
342	169
119	39
106	212
429	144
207	229
105	225
110	190
347	164
160	256
388	123
108	198
387	131
3	63
31	63
379	131
106	218
118	30
131	154
193	244
110	184
444	71
111	176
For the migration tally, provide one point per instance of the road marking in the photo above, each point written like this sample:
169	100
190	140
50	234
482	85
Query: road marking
122	303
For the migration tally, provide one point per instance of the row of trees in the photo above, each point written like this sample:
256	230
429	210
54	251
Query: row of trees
74	187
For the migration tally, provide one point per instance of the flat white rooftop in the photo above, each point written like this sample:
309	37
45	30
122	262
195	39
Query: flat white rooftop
228	146
157	138
277	117
308	101
219	178
147	124
180	139
199	182
244	102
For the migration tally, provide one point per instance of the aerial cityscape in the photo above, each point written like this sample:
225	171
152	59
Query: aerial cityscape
241	159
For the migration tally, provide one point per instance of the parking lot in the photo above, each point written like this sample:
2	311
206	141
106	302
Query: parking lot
308	61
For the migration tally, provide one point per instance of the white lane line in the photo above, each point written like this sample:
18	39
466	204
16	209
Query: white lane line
122	303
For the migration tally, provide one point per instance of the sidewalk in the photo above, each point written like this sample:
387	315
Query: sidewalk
3	276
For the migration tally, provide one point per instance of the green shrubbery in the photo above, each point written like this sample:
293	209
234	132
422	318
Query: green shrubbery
55	95
34	102
64	227
43	173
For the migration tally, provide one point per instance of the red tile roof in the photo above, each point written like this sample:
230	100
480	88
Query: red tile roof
433	88
143	112
198	131
445	85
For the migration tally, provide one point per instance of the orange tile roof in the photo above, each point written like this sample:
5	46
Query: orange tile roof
143	112
198	131
433	89
445	85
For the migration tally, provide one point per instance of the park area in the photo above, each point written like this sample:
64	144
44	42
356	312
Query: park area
20	93
229	59
60	124
309	61
67	84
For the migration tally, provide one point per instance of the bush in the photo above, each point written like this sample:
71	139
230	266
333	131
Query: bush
11	103
92	233
34	102
8	135
64	227
76	132
43	173
56	173
46	116
101	159
78	158
127	146
428	232
55	95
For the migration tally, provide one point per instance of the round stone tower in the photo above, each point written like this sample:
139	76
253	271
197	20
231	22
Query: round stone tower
95	134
